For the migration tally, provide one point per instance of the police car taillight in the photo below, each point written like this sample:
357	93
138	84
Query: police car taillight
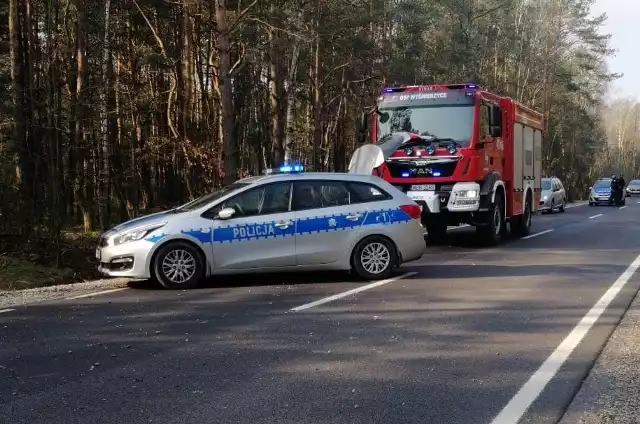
414	211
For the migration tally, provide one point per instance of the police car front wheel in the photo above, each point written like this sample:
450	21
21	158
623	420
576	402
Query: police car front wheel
178	265
374	258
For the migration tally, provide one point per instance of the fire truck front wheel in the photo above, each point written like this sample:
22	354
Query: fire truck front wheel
521	224
493	229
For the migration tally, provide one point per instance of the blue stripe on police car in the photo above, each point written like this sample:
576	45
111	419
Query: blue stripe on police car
302	226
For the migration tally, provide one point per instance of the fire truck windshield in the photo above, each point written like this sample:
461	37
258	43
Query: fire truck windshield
441	121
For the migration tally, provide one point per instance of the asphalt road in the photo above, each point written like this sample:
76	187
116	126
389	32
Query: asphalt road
452	343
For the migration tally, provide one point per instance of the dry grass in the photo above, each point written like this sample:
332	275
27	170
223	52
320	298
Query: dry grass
17	274
33	263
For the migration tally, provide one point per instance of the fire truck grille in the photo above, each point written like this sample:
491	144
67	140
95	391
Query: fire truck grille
399	170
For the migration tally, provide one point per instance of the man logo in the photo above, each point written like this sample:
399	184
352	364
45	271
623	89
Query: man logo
422	171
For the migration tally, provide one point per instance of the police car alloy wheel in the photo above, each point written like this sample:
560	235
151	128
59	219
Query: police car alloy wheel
374	258
178	265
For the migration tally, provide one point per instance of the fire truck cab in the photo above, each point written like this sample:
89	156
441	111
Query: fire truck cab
466	155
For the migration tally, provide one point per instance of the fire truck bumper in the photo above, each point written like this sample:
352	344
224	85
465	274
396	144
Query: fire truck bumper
428	200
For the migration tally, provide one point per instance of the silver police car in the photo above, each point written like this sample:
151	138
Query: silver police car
283	222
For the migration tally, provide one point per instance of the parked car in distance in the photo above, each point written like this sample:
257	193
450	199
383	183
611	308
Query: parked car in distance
553	195
633	188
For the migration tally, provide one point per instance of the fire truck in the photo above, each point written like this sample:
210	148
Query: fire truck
466	155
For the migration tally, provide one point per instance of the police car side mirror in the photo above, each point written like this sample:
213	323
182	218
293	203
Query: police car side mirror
226	213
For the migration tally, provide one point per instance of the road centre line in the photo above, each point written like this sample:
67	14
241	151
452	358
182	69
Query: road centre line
2	311
595	216
537	234
622	207
82	296
528	393
575	205
350	292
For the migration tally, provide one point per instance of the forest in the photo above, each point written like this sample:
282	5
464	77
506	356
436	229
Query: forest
116	108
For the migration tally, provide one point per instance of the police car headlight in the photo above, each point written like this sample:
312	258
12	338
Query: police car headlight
545	198
133	235
471	194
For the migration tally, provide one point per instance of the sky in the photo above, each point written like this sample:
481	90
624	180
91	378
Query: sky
623	24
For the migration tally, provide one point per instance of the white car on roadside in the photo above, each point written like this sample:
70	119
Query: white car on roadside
289	221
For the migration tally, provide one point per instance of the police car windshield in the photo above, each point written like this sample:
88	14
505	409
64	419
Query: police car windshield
635	183
546	184
208	198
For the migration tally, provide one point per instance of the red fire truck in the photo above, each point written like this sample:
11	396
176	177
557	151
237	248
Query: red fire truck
466	155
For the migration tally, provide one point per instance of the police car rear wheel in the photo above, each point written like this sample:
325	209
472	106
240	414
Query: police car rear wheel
374	258
178	265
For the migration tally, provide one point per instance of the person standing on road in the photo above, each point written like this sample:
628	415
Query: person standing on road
613	197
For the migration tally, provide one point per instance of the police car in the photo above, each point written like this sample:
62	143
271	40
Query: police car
285	221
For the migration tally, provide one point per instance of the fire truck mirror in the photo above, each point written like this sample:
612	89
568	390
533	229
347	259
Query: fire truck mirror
496	121
496	117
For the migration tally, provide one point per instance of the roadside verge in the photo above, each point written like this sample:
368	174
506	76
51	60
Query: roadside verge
22	297
610	393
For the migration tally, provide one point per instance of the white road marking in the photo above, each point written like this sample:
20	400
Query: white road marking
2	311
595	216
575	205
622	207
95	293
350	292
519	404
536	234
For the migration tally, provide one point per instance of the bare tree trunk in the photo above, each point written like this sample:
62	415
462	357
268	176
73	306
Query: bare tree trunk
290	84
231	156
277	90
18	72
105	180
317	106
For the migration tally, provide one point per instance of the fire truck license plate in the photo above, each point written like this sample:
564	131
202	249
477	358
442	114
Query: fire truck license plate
423	187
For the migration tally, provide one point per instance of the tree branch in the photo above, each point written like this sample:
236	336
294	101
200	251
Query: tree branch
153	30
236	66
241	15
275	28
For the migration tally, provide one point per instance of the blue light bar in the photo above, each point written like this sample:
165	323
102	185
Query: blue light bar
436	174
285	169
405	174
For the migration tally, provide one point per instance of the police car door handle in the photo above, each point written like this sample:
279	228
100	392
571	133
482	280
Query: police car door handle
283	224
353	217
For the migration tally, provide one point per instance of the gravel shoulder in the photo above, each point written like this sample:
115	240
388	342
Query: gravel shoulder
611	392
9	299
